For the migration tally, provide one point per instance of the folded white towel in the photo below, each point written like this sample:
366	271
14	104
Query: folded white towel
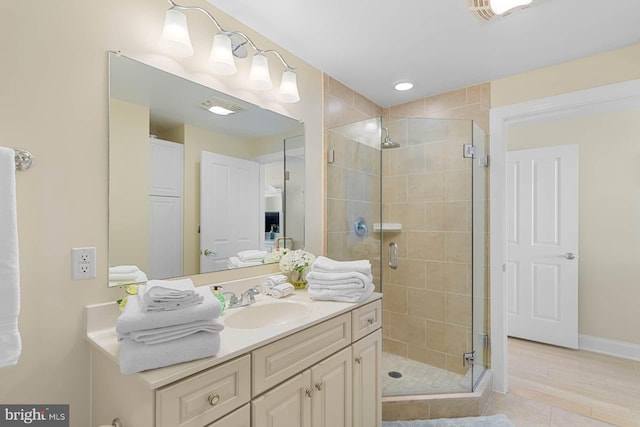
329	265
252	255
116	279
276	279
10	342
343	295
134	319
164	295
123	269
329	280
171	333
234	262
135	357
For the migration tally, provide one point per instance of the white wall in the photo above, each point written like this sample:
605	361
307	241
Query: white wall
54	103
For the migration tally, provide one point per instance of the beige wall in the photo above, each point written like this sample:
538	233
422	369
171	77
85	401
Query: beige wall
129	169
605	309
609	215
55	104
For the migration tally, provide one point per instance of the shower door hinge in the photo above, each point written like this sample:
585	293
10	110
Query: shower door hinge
286	176
331	156
483	161
469	151
468	358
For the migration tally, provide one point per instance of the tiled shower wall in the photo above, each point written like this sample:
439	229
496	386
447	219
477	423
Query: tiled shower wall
353	179
427	300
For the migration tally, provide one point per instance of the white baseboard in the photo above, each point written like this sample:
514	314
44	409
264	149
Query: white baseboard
621	349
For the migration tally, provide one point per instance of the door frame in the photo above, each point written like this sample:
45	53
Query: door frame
613	97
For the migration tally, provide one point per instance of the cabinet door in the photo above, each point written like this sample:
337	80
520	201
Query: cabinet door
288	405
165	168
239	418
367	390
331	381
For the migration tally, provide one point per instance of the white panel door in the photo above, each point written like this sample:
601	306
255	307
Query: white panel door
166	168
542	245
229	209
165	237
287	405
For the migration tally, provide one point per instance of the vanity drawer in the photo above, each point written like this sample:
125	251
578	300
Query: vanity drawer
366	319
278	361
205	397
239	418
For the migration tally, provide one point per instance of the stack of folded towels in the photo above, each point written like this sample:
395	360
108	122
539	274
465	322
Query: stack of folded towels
123	274
347	281
247	258
168	322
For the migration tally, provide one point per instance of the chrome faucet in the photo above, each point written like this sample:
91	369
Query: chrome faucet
248	297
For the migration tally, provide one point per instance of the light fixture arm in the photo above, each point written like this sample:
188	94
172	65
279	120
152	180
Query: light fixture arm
175	5
247	39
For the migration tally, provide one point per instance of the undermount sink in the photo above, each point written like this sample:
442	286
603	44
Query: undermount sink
260	316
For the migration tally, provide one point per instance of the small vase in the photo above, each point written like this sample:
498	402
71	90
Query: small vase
298	279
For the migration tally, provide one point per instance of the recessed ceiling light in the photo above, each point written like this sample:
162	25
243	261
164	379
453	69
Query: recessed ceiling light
403	86
216	109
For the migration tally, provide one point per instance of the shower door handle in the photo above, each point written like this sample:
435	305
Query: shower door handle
393	255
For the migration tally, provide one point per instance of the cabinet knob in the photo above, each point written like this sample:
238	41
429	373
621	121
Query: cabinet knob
371	320
309	392
320	386
358	360
213	399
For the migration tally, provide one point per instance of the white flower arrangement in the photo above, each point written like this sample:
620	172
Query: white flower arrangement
275	255
296	260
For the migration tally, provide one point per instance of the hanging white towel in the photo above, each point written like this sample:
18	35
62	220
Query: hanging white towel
10	342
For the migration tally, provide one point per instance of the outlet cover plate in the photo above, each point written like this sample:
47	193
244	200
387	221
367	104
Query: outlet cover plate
83	263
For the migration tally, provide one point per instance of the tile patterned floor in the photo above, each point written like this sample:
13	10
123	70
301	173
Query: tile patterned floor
419	378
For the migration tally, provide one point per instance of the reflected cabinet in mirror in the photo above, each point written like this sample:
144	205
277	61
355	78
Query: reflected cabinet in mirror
192	191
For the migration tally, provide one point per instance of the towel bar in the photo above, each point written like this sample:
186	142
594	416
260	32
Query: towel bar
24	159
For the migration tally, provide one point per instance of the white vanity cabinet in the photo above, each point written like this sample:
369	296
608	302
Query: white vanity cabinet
325	375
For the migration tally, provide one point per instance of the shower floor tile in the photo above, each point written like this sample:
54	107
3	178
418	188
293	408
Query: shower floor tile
419	378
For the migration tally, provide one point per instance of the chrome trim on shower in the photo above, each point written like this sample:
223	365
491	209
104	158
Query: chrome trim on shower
393	255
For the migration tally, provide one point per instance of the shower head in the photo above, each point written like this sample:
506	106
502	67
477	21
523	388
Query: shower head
387	142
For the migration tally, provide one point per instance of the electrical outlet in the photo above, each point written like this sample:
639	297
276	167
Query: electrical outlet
83	263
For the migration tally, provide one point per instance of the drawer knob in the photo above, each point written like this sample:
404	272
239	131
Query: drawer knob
320	386
371	320
213	398
358	360
309	392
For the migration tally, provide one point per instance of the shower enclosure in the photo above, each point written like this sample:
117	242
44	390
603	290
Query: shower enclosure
410	195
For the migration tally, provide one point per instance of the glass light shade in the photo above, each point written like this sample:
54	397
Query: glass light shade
259	77
500	7
221	59
289	88
175	38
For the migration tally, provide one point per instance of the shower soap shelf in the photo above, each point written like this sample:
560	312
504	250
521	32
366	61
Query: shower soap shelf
387	226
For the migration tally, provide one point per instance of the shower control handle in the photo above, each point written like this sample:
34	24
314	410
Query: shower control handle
393	255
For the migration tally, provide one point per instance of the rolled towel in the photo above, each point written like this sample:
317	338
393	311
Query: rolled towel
336	279
276	279
252	255
329	265
171	333
282	290
134	319
342	295
136	357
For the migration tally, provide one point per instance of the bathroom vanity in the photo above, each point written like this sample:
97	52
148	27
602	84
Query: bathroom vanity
318	367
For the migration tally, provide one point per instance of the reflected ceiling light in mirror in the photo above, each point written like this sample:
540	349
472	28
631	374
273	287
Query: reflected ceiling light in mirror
488	9
223	53
259	77
220	107
175	34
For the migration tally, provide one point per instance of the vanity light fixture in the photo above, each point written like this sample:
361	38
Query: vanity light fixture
226	47
489	9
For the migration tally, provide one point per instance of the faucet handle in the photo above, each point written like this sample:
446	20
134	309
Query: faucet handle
233	299
251	294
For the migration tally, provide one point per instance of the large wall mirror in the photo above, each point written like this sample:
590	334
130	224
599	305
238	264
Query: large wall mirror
192	191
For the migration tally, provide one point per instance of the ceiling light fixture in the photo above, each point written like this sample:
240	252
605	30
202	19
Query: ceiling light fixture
227	45
220	107
488	9
402	86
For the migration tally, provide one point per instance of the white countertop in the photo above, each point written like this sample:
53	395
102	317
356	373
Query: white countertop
101	321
